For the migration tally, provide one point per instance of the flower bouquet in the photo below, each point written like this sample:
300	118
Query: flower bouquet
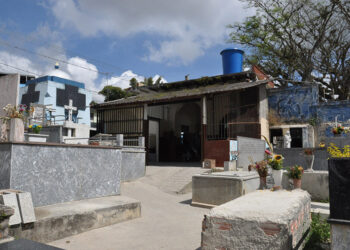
338	130
35	128
296	173
262	169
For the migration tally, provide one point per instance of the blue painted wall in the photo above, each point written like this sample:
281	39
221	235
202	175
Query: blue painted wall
294	103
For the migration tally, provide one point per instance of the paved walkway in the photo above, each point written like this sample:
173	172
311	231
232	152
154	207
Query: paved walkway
167	222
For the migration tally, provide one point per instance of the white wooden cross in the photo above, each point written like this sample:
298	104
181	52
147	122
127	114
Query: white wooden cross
70	109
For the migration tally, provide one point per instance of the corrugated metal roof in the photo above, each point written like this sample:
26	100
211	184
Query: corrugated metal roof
181	94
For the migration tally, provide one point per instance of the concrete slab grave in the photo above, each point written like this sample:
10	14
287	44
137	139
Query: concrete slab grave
259	220
9	199
65	219
249	150
212	189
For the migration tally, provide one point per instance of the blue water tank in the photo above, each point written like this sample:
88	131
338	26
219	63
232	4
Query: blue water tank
232	60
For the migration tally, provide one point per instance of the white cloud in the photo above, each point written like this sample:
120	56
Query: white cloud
17	62
123	81
184	28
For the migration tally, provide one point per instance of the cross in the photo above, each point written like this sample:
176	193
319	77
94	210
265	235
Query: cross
31	96
70	109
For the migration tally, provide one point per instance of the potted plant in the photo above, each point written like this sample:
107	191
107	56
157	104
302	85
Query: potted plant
309	158
262	169
296	173
276	164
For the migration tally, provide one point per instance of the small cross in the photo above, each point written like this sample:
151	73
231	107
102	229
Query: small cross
70	109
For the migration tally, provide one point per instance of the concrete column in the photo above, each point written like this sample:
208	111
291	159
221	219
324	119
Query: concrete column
263	111
204	110
120	140
141	141
145	112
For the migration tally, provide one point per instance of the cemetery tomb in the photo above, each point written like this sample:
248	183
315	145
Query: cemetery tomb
259	220
211	189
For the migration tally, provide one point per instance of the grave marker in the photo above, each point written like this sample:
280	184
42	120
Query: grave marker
249	150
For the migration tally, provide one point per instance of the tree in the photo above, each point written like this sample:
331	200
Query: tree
113	93
134	83
299	40
148	81
158	81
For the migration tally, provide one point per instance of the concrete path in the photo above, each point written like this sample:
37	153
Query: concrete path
167	220
171	179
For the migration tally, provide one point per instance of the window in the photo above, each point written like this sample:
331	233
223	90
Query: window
232	114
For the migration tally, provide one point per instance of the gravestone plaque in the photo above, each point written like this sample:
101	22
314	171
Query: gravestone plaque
249	150
10	200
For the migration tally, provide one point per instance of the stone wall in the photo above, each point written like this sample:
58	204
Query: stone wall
133	163
295	156
55	173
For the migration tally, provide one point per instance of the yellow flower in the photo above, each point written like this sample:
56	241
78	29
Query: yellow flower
278	158
300	168
322	145
30	126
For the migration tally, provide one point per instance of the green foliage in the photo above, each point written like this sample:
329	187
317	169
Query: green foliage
320	233
148	81
134	83
299	40
113	93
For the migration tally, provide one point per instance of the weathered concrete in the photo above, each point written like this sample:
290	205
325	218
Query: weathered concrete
133	163
5	214
220	187
259	220
340	239
55	173
9	199
61	220
9	86
315	183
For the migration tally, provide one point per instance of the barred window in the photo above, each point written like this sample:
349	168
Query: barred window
233	114
127	121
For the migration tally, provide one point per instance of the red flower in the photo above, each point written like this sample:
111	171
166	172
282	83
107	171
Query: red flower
268	152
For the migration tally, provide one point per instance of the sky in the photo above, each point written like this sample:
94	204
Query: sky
107	42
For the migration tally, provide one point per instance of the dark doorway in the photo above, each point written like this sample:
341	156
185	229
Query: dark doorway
180	139
297	137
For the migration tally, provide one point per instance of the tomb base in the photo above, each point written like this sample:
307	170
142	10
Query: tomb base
219	187
259	220
36	137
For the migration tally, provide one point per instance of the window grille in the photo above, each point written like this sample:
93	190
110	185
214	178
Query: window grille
127	121
233	114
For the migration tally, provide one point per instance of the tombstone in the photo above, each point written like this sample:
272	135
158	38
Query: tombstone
250	150
39	115
9	199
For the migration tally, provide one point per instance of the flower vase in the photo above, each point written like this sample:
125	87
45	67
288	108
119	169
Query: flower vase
16	130
277	176
297	183
262	182
309	162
